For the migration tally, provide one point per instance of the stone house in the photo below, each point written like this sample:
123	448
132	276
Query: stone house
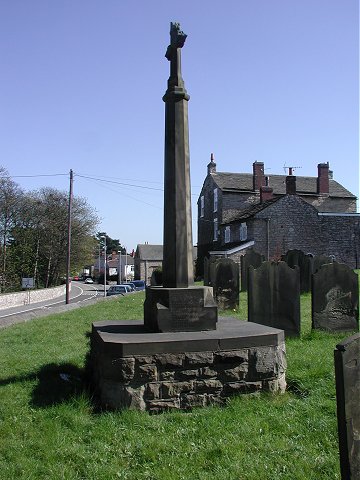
276	213
147	259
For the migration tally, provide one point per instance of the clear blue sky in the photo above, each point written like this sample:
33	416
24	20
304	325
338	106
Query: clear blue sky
82	81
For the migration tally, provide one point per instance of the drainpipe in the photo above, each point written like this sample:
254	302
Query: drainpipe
268	237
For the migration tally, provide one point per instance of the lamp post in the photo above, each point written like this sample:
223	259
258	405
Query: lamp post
119	267
104	237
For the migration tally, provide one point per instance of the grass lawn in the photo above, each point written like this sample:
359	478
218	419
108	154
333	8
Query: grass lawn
49	429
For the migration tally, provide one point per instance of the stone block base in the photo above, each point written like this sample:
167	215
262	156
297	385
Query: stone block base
155	372
179	309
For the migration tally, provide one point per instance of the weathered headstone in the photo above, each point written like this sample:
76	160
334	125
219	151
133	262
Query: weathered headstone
335	297
209	270
305	262
320	260
274	296
347	376
251	258
226	283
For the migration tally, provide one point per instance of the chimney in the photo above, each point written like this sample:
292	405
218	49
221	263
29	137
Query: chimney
211	168
291	185
323	178
266	193
258	175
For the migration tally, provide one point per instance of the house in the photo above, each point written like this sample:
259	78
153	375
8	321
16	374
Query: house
149	258
276	213
114	264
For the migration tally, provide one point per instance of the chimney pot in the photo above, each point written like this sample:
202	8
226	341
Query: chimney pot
323	178
258	175
211	168
266	193
291	185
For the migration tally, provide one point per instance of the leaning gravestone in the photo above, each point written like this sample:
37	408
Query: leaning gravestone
305	262
274	296
347	375
335	295
251	258
226	283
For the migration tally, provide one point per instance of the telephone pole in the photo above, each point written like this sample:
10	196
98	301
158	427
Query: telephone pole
67	292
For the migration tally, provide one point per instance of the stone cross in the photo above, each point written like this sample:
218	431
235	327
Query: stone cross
178	253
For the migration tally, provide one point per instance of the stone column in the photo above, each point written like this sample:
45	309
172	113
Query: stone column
178	305
178	254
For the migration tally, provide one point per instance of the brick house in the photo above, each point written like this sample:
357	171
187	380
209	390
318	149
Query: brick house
276	213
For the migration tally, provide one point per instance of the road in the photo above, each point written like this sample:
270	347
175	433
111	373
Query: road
79	295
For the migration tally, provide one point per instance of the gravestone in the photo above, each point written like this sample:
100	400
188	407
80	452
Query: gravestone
226	283
320	260
347	376
305	262
334	299
251	258
209	270
274	296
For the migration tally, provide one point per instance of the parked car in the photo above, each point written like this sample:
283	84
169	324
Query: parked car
89	280
131	285
117	290
76	278
139	284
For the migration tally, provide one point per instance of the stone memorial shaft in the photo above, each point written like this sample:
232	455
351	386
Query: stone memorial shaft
178	305
178	254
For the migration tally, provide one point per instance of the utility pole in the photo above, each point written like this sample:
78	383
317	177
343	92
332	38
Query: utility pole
67	291
104	237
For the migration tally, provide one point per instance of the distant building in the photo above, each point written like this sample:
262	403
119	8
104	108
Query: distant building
149	258
276	213
114	263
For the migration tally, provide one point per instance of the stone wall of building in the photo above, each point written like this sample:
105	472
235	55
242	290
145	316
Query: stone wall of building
185	380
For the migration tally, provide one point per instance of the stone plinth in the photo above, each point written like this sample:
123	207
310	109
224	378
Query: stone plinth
159	371
179	309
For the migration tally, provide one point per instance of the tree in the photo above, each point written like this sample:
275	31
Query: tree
11	202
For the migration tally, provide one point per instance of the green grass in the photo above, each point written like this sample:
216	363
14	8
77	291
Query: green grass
49	429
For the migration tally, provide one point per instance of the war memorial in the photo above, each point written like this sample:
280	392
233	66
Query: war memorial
182	355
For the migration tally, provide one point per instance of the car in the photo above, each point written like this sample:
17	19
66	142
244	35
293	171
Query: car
76	278
139	284
117	290
131	285
89	280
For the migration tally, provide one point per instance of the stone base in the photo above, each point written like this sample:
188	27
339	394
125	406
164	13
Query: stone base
130	368
188	309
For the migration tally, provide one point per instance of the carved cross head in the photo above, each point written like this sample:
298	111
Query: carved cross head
177	39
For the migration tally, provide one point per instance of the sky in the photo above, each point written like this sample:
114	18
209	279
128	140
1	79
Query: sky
82	81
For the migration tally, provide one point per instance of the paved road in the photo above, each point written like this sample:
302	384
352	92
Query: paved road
80	294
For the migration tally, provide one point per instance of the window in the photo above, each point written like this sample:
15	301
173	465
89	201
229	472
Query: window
202	206
215	199
243	231
227	234
215	229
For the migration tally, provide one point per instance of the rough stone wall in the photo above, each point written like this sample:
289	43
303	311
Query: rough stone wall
185	380
145	268
341	237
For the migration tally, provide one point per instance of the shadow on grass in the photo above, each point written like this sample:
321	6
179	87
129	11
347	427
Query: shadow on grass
56	383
